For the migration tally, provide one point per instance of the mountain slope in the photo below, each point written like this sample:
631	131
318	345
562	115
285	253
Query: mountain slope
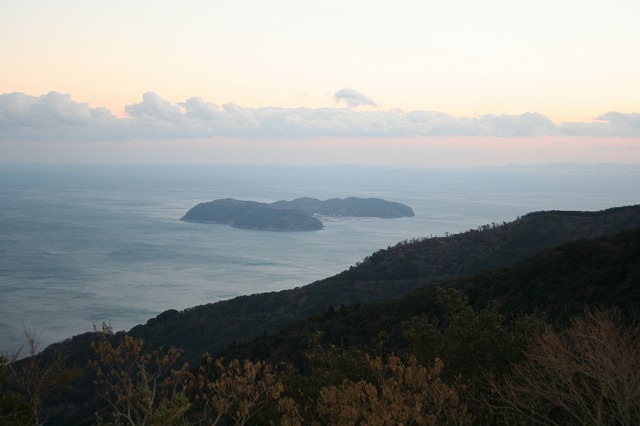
600	273
387	274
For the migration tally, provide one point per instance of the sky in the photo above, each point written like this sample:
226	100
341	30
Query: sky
408	83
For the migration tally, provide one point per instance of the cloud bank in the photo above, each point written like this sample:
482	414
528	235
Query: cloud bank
57	117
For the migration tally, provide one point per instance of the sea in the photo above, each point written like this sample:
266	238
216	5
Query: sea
85	244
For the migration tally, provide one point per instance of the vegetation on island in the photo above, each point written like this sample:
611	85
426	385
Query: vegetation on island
297	215
531	322
350	206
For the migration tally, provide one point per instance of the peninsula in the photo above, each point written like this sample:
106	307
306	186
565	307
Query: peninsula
301	214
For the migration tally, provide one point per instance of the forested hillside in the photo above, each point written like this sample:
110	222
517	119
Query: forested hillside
387	274
462	329
558	283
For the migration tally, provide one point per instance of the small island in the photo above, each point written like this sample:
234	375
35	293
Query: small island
301	214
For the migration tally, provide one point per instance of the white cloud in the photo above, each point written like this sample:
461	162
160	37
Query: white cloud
153	107
199	109
55	116
353	98
610	124
527	124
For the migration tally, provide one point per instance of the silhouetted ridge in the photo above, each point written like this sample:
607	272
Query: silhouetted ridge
600	273
387	274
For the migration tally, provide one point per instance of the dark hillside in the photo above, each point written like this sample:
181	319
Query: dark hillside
560	279
387	274
491	246
599	273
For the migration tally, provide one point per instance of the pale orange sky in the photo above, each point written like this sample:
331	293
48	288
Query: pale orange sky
407	152
570	62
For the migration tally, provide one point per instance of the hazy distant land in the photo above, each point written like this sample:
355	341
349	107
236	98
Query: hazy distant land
301	214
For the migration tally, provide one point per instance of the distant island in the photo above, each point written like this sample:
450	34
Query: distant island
301	214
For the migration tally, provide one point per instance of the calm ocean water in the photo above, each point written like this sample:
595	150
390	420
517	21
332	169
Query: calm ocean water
84	244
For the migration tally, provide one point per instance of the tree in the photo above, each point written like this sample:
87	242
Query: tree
13	410
240	391
588	374
470	342
403	393
33	380
141	388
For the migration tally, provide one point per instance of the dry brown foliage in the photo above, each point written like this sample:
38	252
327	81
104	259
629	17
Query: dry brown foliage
240	390
141	388
587	375
406	393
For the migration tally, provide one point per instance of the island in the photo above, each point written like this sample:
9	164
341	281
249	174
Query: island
301	214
